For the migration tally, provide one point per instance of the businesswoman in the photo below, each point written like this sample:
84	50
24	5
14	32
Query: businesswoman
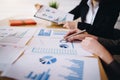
99	46
98	17
112	67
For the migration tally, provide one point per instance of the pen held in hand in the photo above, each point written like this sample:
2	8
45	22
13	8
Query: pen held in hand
80	32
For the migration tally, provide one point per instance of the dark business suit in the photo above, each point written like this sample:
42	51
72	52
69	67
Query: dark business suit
113	69
113	46
104	21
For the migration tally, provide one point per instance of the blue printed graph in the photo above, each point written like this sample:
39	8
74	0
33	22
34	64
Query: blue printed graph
63	46
62	51
41	76
47	60
77	70
44	32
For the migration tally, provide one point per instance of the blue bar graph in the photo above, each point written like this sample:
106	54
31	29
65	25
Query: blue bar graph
77	70
41	76
44	32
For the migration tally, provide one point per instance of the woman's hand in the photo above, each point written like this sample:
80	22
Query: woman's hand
70	25
38	6
77	37
93	46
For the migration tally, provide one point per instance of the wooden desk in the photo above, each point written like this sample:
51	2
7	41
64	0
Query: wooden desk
43	23
40	23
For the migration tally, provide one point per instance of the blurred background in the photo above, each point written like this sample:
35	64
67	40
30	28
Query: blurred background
9	8
18	7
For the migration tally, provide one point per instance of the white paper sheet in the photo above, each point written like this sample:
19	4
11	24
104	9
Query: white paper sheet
50	45
4	66
8	54
16	36
53	67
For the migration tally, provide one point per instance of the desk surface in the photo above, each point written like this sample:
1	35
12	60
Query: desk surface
40	22
43	23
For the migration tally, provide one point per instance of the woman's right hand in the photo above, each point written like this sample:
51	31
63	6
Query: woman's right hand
78	37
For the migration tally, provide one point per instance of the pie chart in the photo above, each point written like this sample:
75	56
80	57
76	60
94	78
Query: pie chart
47	60
63	46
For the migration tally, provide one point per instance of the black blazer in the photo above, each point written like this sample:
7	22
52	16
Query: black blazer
113	46
104	21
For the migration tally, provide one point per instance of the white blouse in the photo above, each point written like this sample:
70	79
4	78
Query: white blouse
92	12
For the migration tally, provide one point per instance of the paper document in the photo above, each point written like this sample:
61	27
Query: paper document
16	36
50	41
50	45
4	66
52	67
8	54
54	15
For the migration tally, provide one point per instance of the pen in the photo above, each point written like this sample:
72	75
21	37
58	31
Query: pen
80	32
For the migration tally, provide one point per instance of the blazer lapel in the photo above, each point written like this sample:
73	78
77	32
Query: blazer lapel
84	11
